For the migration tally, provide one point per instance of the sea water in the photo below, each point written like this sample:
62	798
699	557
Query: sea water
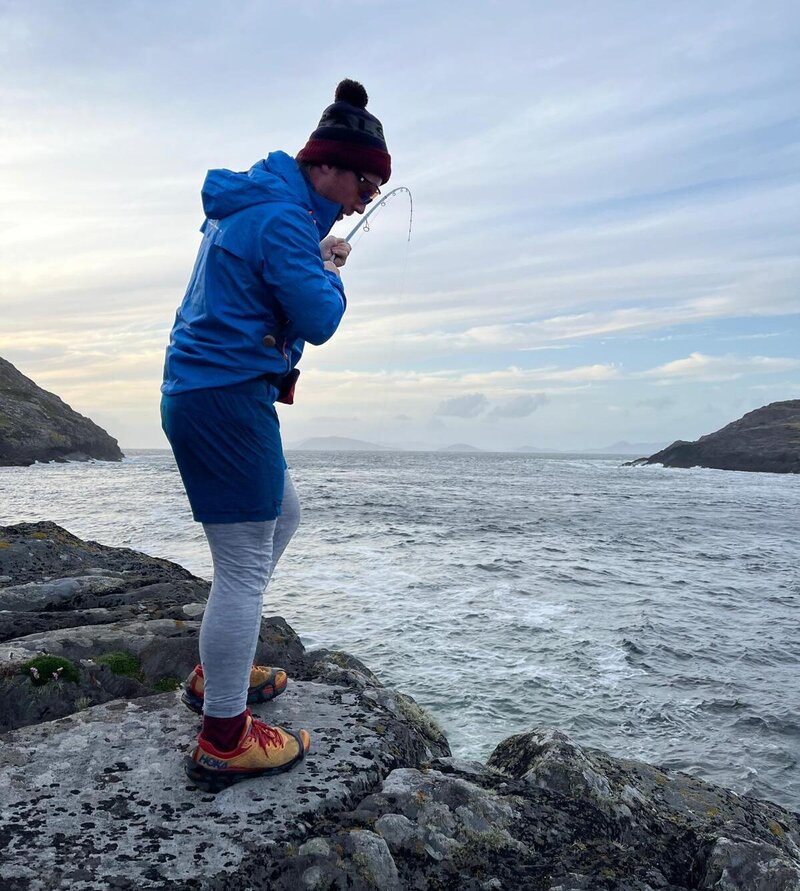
650	612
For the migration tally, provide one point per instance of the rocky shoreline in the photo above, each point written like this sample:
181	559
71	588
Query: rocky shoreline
93	795
766	440
35	425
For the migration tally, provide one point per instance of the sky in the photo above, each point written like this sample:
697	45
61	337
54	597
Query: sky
606	218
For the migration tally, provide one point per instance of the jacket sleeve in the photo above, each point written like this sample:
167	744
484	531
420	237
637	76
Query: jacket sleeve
311	297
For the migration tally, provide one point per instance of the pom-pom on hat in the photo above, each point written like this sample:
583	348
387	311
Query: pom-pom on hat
348	135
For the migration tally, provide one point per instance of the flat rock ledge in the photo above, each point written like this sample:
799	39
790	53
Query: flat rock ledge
97	799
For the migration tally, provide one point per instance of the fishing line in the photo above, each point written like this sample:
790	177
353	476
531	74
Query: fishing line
362	227
364	223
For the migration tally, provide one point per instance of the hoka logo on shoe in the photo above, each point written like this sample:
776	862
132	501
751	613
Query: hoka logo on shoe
213	763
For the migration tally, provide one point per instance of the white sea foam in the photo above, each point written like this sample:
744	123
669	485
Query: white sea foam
628	606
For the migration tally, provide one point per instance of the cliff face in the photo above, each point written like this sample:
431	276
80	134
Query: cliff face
37	426
767	439
93	794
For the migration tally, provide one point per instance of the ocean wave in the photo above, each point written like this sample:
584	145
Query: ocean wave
651	612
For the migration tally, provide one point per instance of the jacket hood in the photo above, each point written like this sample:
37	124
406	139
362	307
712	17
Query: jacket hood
275	179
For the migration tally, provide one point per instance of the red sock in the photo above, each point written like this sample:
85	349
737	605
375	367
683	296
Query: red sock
223	733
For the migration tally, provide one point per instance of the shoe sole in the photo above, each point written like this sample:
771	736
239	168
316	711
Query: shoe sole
214	781
254	697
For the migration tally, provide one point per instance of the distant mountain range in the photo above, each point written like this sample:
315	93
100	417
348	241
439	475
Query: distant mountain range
347	444
336	444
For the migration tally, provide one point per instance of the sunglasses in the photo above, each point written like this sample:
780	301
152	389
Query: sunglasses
367	190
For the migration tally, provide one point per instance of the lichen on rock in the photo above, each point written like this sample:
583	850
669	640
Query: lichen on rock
98	798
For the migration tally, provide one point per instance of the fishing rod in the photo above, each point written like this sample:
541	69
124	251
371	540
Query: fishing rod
364	222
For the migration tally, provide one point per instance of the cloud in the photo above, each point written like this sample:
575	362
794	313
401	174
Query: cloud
700	367
655	200
468	406
584	373
519	406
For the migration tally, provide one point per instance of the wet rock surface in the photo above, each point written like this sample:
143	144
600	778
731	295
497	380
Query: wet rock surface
98	799
36	425
767	440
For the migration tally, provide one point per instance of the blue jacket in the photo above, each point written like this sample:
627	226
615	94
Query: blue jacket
258	274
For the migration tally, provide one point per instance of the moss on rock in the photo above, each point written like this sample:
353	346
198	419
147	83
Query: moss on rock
122	663
43	669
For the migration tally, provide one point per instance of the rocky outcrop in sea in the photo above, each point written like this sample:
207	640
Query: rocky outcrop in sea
37	426
93	795
767	439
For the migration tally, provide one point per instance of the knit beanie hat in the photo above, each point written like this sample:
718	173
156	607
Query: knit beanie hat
348	135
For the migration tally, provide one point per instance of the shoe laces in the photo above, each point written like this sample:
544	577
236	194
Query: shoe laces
266	736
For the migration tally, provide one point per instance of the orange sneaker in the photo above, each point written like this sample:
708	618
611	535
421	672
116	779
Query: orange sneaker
265	684
262	750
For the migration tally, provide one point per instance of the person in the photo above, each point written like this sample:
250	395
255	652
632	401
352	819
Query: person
266	281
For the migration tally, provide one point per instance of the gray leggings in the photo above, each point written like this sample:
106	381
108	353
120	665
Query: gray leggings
244	556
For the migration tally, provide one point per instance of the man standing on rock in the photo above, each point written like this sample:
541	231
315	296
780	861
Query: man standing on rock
266	280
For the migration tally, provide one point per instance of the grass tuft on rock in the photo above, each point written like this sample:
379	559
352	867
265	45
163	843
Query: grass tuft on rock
420	718
167	685
43	669
122	663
